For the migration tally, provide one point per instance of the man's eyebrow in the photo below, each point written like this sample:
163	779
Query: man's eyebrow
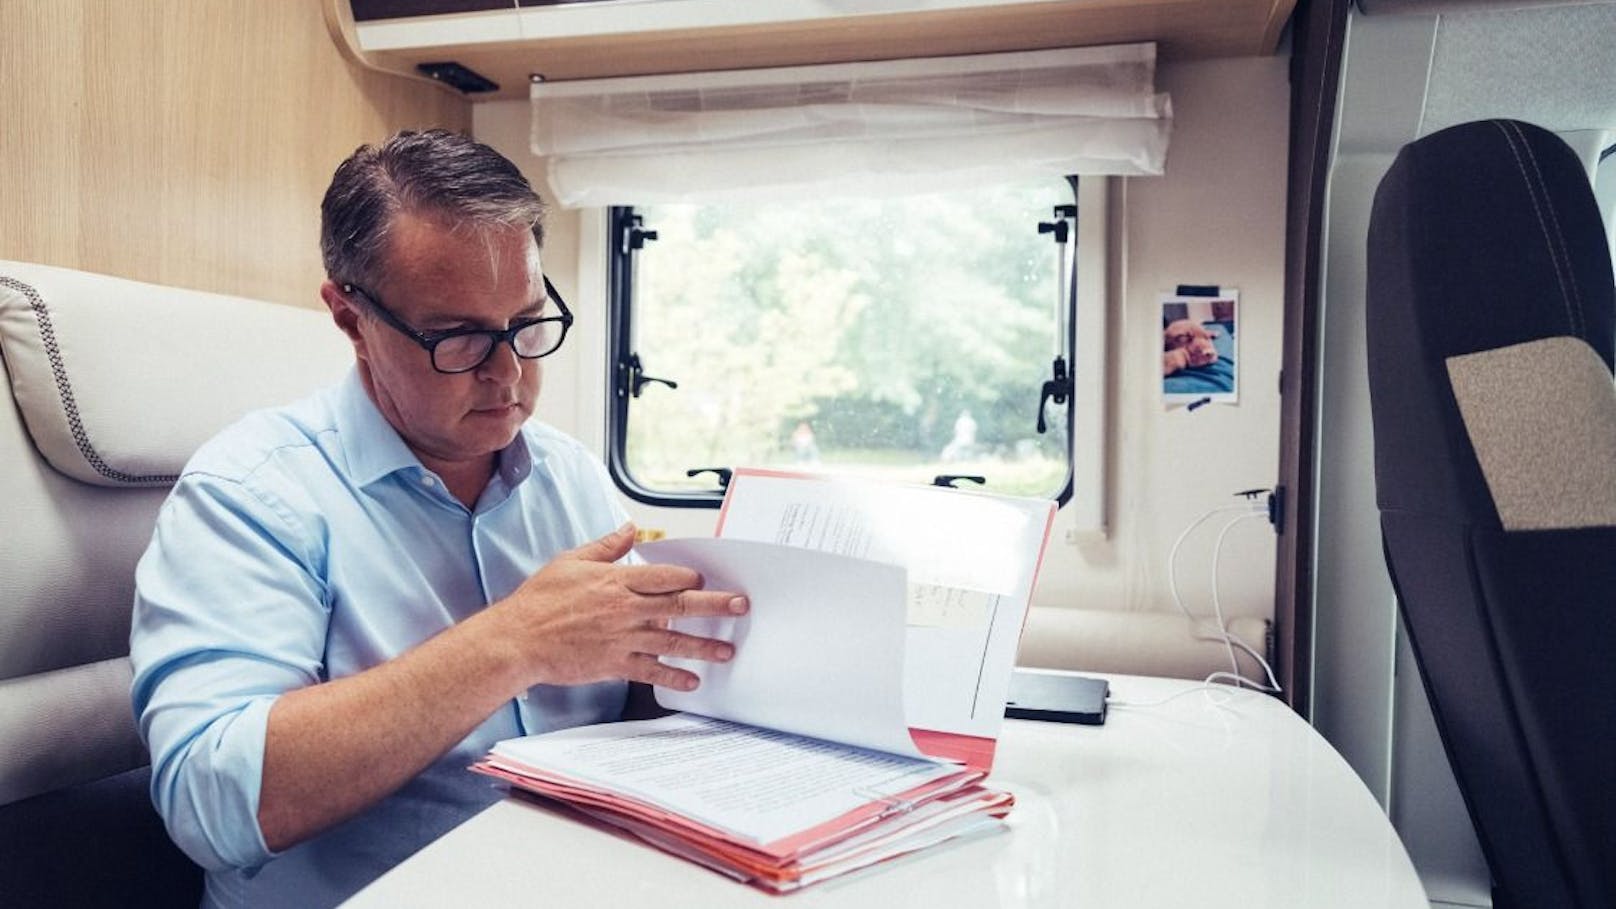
452	322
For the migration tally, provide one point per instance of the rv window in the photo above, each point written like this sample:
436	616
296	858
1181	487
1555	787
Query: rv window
909	338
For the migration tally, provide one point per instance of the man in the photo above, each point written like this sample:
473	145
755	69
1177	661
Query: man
349	599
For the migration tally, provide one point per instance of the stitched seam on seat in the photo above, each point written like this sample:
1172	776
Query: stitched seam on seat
1537	209
64	389
1561	249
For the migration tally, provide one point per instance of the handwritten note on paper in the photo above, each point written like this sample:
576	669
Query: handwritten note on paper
937	606
827	528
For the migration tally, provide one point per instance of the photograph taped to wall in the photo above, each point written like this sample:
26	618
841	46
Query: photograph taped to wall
1199	348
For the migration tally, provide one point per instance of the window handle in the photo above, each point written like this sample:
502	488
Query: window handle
724	474
1056	389
948	479
1061	229
637	379
635	235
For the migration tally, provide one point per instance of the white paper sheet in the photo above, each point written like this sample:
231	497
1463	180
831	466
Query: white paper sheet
971	558
758	784
820	654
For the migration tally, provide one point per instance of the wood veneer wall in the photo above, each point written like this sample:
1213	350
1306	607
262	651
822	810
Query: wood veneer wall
186	142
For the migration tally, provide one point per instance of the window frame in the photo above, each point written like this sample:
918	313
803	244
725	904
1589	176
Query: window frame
622	359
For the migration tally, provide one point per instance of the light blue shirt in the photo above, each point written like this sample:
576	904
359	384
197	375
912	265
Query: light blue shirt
308	543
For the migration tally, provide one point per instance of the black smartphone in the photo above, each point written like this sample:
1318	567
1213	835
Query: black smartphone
1056	696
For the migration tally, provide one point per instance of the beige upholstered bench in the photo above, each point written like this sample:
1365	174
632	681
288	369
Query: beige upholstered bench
113	384
1138	643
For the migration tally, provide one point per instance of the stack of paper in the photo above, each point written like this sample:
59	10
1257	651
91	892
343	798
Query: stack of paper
775	810
857	720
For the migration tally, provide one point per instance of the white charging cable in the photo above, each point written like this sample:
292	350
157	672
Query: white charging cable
1230	639
1222	634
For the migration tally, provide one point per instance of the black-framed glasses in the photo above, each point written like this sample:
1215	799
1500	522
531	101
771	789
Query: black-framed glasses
457	350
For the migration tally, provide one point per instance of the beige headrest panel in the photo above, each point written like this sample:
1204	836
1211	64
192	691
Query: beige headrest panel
119	382
1542	419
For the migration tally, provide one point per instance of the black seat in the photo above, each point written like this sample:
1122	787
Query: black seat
99	844
1491	324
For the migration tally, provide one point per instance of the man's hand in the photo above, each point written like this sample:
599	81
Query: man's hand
579	619
583	618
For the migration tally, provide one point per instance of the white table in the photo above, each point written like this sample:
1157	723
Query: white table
1182	804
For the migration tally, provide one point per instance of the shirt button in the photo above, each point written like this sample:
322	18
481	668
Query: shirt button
428	482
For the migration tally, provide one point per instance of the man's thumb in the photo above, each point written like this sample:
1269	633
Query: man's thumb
608	548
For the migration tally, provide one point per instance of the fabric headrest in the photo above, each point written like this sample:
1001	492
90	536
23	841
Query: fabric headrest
1500	240
119	381
1483	236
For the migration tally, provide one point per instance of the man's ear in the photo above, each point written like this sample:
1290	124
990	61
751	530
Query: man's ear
345	312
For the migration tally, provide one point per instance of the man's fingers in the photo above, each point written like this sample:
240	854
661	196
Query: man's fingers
651	580
608	548
662	642
694	603
645	668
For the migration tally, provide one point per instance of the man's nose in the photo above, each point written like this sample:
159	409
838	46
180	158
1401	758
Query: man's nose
502	364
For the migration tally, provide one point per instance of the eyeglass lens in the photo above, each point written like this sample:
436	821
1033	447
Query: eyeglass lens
463	352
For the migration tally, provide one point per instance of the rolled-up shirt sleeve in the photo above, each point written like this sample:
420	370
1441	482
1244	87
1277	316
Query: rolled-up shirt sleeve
230	612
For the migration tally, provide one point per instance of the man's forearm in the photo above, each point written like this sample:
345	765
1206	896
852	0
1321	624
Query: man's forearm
581	619
391	721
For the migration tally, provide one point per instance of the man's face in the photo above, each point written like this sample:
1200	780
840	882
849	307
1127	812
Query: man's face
438	278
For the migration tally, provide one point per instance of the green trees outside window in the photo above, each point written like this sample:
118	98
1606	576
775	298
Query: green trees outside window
905	338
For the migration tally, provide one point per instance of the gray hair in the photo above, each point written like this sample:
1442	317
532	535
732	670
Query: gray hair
434	172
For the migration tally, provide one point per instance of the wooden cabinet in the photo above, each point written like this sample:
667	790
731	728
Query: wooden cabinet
595	38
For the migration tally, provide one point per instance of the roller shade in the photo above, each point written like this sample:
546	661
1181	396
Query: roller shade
861	129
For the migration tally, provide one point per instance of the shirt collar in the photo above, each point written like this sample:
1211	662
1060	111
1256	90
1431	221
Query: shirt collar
516	460
374	449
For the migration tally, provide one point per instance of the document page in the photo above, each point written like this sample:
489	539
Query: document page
972	559
820	654
761	785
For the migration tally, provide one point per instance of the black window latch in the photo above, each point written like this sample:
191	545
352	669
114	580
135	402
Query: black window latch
724	473
1057	389
637	379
